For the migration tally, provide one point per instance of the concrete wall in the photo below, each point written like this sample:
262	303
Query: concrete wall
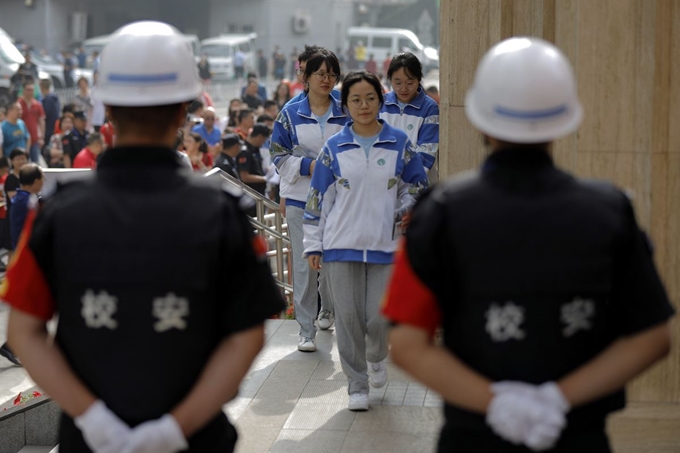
46	25
272	21
627	62
190	16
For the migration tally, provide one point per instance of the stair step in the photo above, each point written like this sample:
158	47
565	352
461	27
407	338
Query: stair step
34	449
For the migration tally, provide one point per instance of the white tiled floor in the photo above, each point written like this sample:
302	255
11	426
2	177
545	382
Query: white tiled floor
297	402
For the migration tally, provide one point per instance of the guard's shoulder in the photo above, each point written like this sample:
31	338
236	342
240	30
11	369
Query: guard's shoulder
600	191
457	185
225	193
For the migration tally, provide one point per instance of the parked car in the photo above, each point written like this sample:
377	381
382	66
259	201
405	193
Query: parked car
220	51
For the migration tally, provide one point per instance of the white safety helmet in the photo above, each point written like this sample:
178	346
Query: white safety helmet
145	64
524	92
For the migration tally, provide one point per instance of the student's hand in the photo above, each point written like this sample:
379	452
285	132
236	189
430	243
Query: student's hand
527	414
311	167
161	435
102	430
314	262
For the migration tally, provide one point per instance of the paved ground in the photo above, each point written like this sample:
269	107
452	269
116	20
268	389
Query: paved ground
297	402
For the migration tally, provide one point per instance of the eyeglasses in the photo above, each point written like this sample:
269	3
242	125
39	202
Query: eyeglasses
410	85
321	76
356	102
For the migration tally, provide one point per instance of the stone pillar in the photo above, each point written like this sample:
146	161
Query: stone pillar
627	63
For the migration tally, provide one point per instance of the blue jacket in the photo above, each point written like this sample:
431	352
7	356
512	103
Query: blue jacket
297	141
335	93
18	214
354	200
419	119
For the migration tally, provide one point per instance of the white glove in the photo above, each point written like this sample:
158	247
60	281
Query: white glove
271	175
102	430
527	414
163	435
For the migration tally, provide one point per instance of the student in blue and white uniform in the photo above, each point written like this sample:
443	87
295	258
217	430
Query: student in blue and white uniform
409	108
299	133
366	178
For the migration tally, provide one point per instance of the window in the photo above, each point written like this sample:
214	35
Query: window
382	42
406	45
216	50
244	47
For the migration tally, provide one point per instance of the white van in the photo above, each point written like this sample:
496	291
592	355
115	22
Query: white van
220	51
381	41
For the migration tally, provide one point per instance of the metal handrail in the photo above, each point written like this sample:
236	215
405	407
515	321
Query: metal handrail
259	222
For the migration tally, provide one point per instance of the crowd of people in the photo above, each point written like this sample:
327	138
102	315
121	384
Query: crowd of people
350	169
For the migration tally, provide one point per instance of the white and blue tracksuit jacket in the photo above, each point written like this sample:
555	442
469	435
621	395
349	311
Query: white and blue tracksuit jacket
353	198
419	119
297	141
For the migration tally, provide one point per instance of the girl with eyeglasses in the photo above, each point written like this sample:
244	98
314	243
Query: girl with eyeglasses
299	133
366	179
409	108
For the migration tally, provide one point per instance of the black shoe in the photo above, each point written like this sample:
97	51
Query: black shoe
9	355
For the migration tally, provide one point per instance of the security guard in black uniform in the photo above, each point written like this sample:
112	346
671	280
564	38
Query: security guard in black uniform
226	160
75	139
543	283
154	334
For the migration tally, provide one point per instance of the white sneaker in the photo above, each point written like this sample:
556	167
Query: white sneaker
306	344
358	402
377	374
325	319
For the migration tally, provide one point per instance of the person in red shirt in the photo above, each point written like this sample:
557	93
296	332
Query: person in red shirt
108	134
245	120
386	63
197	150
34	117
372	65
87	157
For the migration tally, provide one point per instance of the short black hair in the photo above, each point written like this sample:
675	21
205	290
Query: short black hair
323	56
16	152
432	89
355	77
29	174
263	118
260	129
251	75
194	106
4	162
95	137
409	62
243	113
308	52
68	108
29	82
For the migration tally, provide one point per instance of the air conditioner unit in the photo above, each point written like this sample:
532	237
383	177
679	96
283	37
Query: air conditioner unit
301	23
78	26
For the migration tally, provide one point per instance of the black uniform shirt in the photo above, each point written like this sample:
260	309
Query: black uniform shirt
250	160
144	295
73	142
530	271
227	164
